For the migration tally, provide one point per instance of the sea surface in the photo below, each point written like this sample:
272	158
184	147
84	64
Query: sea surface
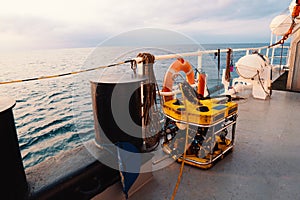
55	115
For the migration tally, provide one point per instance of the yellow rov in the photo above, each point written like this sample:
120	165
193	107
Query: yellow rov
209	122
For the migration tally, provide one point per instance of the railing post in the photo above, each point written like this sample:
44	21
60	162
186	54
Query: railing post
271	42
273	52
199	61
13	174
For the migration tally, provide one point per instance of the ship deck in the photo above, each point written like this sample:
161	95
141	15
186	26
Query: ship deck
263	165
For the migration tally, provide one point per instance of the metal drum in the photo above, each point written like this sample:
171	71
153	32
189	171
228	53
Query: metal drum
117	110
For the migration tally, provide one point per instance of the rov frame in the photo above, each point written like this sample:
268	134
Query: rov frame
212	136
223	149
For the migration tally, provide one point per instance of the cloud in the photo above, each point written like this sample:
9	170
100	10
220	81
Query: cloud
30	32
56	24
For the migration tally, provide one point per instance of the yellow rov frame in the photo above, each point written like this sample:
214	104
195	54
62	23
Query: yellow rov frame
216	115
206	112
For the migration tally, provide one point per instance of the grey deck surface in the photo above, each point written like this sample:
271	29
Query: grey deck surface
265	163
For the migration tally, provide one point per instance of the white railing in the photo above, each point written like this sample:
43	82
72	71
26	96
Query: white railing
280	66
246	50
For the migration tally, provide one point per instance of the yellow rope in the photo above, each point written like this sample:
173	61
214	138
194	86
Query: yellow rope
184	153
182	165
65	74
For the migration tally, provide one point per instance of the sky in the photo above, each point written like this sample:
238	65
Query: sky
36	24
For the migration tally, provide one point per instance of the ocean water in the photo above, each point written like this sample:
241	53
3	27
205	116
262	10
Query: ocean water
55	115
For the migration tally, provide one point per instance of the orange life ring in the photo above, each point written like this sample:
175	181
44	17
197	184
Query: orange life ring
178	65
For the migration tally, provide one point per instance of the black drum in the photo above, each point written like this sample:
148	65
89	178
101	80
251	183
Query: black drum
117	110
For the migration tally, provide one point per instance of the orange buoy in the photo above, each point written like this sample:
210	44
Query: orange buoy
296	11
201	84
178	65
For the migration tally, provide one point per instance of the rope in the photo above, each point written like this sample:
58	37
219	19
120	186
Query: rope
149	87
150	108
182	164
262	85
146	58
228	64
65	74
184	154
219	64
281	57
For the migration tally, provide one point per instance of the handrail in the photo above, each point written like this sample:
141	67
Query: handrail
202	52
160	57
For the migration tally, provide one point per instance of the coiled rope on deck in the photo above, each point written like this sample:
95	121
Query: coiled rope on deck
67	74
